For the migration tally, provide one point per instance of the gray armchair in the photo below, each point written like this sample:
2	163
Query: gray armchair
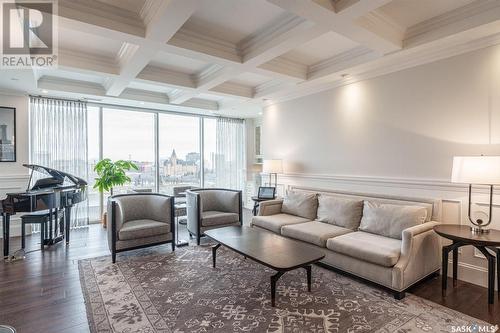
212	208
140	220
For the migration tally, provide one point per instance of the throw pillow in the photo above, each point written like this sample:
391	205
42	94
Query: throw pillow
390	220
301	204
341	212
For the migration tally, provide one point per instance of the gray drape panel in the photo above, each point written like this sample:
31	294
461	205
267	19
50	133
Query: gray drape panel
230	162
58	139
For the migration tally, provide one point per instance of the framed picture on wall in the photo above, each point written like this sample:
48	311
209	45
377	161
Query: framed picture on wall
7	134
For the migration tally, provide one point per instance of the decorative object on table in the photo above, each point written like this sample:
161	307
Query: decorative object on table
477	170
140	220
266	192
212	208
462	235
112	174
273	167
154	280
7	134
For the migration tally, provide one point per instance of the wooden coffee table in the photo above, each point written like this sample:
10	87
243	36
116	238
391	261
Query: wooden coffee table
276	252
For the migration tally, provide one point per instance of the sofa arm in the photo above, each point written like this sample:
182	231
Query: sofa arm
420	255
270	207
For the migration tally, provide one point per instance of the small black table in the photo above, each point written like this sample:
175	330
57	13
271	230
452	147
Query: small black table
462	235
276	252
256	203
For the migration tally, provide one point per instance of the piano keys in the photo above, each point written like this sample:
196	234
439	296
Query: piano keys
59	191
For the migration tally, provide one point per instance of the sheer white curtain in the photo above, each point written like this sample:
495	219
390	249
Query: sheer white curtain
230	162
58	139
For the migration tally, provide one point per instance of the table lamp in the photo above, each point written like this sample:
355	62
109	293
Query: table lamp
273	167
477	170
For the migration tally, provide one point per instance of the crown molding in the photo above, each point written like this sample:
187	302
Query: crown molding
462	18
202	104
196	41
87	63
231	88
342	61
148	11
158	75
144	96
103	15
287	67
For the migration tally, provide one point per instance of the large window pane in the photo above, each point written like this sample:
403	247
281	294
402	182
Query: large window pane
210	139
179	151
94	201
129	135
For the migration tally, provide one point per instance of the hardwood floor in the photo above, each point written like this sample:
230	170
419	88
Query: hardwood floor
42	293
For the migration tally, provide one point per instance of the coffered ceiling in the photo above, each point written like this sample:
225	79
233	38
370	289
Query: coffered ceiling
232	56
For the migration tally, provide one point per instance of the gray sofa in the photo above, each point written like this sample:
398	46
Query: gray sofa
384	239
140	220
212	208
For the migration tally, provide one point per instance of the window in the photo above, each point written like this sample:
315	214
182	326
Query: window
129	135
179	151
94	147
181	142
209	139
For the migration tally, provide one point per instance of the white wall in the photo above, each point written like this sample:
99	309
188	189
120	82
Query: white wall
396	134
13	176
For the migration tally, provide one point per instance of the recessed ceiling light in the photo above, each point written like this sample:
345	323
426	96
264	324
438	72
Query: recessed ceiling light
142	103
45	91
260	113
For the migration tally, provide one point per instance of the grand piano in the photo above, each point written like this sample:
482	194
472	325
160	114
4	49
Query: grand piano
58	191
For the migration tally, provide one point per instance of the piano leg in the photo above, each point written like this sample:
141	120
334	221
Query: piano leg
6	233
67	221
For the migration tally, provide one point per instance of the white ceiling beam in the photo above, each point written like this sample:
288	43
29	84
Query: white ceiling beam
341	24
166	20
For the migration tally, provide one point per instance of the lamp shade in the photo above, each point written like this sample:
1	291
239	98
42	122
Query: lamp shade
272	166
479	170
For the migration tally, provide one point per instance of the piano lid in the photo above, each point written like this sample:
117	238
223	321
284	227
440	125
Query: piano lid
56	174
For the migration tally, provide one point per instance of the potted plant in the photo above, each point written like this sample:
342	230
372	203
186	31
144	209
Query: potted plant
112	174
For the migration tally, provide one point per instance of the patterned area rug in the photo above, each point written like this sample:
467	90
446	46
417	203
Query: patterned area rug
181	292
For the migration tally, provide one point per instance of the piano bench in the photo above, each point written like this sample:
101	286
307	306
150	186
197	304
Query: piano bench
45	220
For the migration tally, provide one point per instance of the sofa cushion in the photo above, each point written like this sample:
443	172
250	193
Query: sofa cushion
142	228
390	220
369	247
275	222
213	217
314	232
342	212
301	204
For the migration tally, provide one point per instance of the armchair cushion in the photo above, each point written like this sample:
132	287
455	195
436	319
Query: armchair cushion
275	222
220	200
142	228
137	207
314	232
213	217
301	204
373	248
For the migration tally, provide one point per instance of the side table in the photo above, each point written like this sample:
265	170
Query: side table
462	235
256	201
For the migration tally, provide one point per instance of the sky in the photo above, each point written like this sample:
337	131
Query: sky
128	134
